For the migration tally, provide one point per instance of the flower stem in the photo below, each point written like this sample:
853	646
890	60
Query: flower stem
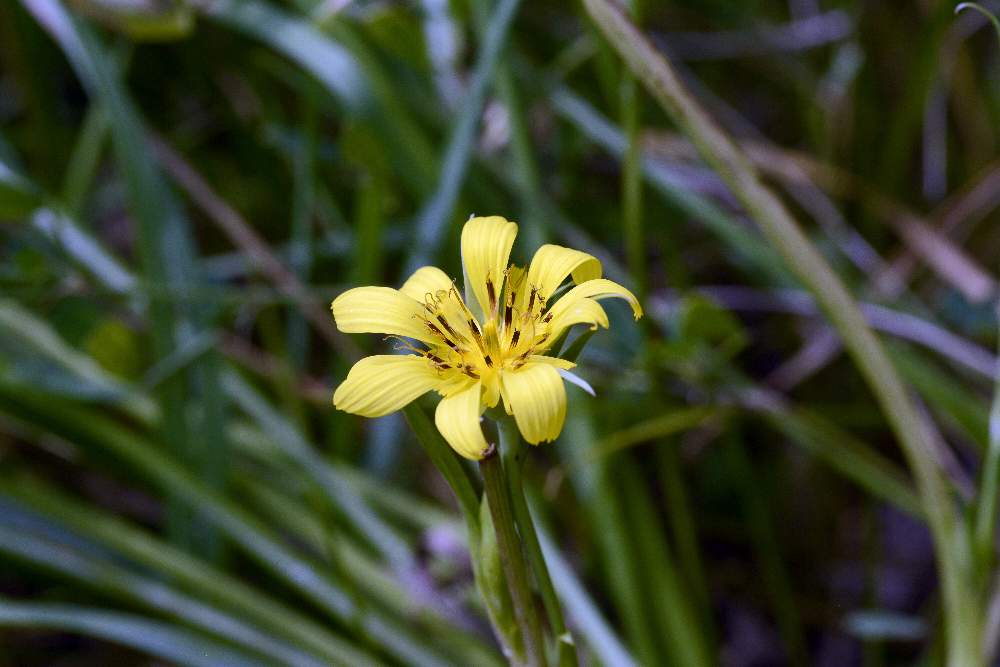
512	449
511	559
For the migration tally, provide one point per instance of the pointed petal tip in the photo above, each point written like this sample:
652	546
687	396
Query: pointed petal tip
486	243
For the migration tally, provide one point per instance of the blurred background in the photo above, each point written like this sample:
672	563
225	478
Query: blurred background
186	184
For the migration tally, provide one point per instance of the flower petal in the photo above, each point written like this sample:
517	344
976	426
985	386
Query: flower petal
582	311
379	310
552	361
457	417
384	383
573	378
537	397
571	308
486	244
426	279
552	263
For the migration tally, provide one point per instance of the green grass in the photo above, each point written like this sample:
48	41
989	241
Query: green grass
182	193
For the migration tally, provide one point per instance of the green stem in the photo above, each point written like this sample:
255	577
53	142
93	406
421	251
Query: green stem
511	558
986	509
771	566
525	168
512	449
982	10
635	247
677	505
962	613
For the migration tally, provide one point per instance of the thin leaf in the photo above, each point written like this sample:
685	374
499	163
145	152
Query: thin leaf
112	580
433	218
185	570
162	640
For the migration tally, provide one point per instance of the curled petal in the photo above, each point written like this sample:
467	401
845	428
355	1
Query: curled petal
425	280
536	396
457	417
582	311
571	307
378	385
379	310
553	263
486	244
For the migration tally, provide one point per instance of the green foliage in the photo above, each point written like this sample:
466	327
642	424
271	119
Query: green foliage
174	482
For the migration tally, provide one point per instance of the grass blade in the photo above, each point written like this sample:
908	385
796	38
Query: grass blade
777	224
115	581
158	639
185	570
433	218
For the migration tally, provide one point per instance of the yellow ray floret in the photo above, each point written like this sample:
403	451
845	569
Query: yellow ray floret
473	360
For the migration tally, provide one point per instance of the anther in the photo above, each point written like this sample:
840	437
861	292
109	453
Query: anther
491	293
444	323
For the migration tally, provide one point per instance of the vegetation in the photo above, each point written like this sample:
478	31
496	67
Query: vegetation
793	458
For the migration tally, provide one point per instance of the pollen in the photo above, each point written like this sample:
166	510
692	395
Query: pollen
475	359
463	345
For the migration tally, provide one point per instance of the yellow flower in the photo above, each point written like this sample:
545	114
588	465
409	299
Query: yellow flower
474	362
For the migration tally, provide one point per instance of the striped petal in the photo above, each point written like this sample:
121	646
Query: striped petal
537	397
486	244
457	417
582	311
425	280
571	307
553	263
378	385
555	362
379	310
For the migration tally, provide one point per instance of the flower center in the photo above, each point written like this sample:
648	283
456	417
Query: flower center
515	327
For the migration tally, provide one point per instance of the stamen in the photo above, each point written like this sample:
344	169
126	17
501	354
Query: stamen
515	337
444	322
491	294
403	344
461	301
476	335
440	334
